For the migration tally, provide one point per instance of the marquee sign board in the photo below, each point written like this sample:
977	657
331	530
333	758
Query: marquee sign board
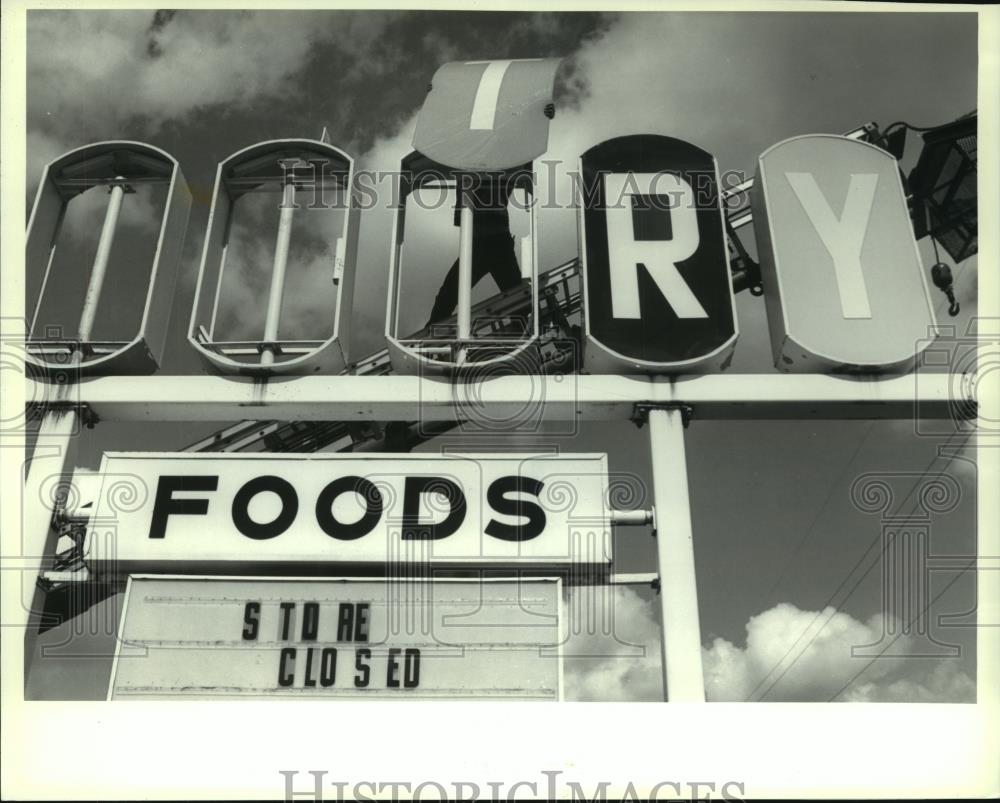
237	512
657	289
843	279
487	115
339	639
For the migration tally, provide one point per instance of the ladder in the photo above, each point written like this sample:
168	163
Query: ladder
559	342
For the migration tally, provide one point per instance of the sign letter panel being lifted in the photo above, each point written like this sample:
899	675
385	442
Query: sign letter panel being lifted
843	279
487	115
657	289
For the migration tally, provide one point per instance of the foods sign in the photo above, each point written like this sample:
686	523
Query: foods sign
220	514
372	639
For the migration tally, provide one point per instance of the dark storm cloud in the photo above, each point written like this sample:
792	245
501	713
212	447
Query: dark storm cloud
160	19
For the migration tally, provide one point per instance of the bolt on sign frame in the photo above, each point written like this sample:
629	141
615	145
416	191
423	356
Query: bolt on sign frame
119	165
481	341
290	168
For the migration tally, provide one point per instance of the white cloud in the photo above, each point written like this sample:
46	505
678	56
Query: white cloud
42	149
944	682
615	633
85	214
796	655
789	655
374	239
309	297
93	72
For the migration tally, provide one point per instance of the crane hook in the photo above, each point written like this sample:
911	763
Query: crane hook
941	276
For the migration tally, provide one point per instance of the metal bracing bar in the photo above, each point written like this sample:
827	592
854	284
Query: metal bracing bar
83	184
860	131
73	576
464	310
637	578
100	268
632	518
225	436
278	273
566	398
680	628
218	292
48	269
741	220
743	187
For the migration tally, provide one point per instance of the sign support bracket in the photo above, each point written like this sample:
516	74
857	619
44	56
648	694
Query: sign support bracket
50	458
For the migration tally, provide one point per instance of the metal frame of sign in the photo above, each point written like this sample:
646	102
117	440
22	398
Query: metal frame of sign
789	354
601	358
115	164
665	403
561	609
430	356
269	355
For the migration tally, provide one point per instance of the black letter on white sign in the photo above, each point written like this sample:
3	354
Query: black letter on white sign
251	621
497	498
367	490
241	505
416	486
165	504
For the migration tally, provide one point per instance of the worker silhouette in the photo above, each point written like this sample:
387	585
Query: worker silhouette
492	246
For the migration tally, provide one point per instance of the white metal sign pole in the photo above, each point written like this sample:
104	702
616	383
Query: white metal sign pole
100	269
464	311
278	273
51	452
681	630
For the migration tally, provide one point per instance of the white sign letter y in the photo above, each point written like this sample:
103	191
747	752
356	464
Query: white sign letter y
843	237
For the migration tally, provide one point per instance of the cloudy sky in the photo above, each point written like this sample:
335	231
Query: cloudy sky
788	569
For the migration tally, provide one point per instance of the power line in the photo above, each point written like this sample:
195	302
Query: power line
895	638
821	509
847	465
867	551
923	474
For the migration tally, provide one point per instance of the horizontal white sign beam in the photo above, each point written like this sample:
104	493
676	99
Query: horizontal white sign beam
561	398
